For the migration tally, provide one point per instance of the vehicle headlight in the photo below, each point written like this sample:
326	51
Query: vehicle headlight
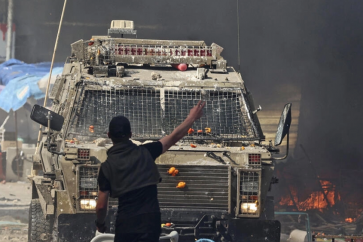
249	207
88	182
88	204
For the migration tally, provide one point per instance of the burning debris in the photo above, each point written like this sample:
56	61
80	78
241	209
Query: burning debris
317	200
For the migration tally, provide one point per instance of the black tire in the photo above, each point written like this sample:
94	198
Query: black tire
39	227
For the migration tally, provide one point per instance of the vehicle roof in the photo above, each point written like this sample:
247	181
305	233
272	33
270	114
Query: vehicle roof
137	75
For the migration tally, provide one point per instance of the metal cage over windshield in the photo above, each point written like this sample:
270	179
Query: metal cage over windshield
156	112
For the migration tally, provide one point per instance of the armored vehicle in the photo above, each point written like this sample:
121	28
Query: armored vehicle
224	171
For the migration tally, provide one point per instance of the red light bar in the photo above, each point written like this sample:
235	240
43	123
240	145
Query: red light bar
83	154
254	159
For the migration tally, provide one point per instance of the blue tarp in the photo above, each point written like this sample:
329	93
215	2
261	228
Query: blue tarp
21	82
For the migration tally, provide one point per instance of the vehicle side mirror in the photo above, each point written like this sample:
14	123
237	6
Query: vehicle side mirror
284	124
40	115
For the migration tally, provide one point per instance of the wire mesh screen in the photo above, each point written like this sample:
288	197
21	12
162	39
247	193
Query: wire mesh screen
87	186
249	192
222	113
140	106
154	113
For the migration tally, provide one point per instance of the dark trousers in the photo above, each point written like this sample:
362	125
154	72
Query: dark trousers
147	237
140	228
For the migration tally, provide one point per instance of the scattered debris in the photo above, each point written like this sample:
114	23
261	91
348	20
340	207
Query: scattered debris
155	76
181	185
100	142
171	170
190	131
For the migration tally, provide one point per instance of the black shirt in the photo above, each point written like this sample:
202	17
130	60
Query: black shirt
137	202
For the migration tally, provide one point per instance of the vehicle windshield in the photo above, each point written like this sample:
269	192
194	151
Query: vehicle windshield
154	113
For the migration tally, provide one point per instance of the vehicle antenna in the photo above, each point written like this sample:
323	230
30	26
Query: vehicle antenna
238	48
51	69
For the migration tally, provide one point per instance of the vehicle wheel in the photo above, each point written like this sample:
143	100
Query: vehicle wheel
39	226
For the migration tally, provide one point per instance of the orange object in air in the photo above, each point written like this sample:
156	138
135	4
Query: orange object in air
193	146
175	172
171	170
190	131
200	131
168	224
181	185
91	127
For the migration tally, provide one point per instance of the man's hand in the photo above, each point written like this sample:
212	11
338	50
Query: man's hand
197	112
180	131
101	227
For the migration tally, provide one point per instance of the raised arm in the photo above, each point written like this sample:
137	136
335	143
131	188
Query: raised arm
180	131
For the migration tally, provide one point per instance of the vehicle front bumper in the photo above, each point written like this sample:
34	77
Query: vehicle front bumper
78	227
81	227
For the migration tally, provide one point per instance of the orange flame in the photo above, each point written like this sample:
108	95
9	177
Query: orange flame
349	220
316	200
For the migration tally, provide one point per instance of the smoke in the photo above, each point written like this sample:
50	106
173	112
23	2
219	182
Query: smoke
330	121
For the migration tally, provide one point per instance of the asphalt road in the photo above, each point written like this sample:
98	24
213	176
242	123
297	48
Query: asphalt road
14	208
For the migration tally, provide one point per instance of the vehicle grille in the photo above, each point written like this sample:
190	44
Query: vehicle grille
249	192
206	187
87	183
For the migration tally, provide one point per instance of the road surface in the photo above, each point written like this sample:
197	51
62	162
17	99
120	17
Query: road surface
14	209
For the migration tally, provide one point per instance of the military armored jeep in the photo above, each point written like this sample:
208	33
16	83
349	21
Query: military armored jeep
224	168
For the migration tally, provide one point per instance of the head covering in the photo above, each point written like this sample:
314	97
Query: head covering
119	127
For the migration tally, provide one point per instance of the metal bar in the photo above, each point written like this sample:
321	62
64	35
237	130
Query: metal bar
17	145
51	69
9	30
287	153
